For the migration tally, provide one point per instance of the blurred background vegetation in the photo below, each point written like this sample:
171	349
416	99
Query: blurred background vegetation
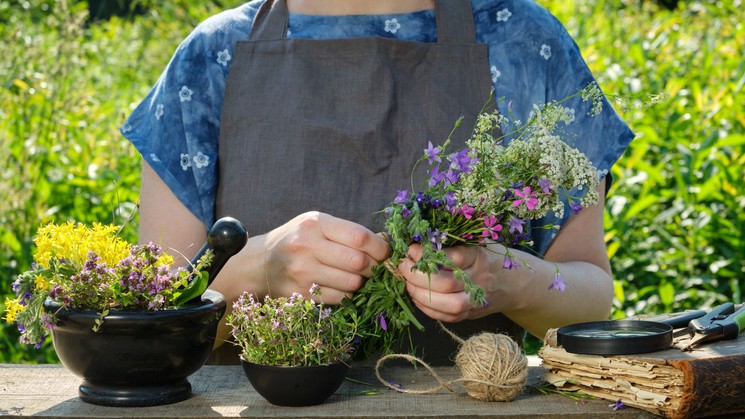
71	72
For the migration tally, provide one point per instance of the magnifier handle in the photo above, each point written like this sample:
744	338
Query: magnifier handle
681	320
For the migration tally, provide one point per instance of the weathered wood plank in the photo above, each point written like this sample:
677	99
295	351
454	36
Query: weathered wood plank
49	391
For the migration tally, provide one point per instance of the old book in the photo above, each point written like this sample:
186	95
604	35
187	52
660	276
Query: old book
707	381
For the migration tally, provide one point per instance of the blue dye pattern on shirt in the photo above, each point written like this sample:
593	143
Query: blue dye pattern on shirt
533	60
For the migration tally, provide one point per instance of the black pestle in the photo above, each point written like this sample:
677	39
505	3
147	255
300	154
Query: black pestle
226	238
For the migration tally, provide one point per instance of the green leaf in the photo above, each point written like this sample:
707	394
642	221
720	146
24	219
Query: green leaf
196	287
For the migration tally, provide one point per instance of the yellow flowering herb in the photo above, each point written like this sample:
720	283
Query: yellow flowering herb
12	308
72	242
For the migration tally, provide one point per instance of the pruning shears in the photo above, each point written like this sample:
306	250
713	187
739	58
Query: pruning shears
722	322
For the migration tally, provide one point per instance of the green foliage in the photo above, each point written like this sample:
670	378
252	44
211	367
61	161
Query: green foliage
675	224
675	221
66	85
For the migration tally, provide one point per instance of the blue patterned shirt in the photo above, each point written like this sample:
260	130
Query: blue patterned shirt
532	59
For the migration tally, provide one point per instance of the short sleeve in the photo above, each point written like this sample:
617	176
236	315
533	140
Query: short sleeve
176	127
535	61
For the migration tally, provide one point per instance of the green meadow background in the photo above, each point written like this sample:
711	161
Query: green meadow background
70	73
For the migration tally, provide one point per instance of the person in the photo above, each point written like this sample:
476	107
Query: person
301	118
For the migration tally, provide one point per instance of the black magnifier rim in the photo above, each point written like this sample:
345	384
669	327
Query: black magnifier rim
631	337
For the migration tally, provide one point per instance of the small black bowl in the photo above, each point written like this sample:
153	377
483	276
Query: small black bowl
137	357
296	386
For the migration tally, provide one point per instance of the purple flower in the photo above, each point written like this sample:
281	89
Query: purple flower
436	203
416	238
382	323
432	153
509	263
452	176
576	208
617	405
516	224
402	197
462	161
435	177
558	283
450	201
545	185
422	199
405	212
436	238
398	387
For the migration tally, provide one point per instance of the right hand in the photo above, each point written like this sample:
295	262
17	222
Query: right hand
318	248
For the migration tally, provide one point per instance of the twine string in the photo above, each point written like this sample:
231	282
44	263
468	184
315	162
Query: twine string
493	368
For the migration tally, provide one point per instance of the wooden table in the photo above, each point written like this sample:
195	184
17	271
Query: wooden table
49	391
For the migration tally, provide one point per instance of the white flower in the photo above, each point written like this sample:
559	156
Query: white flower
159	111
185	94
503	15
223	57
392	25
201	160
569	115
495	74
185	161
545	51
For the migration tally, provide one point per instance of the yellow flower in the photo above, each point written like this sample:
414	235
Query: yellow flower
12	309
72	242
42	284
165	260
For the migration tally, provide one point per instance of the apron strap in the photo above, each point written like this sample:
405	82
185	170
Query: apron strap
454	20
271	21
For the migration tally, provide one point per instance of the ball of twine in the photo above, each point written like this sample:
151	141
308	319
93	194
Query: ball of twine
493	368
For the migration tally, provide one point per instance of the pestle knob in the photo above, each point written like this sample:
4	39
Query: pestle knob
226	238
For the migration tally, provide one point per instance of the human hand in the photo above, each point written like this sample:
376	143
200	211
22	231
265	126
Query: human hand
318	248
443	297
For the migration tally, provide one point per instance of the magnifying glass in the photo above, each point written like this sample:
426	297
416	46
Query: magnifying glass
622	337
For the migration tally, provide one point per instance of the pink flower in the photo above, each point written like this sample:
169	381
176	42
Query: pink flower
528	197
492	228
466	211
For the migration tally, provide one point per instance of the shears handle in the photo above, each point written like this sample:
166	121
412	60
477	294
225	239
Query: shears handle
735	323
723	320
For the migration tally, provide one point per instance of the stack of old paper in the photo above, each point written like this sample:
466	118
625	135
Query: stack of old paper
673	383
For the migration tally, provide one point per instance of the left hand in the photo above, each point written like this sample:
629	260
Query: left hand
442	297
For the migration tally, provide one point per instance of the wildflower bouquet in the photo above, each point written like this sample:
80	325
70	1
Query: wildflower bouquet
85	267
487	192
291	331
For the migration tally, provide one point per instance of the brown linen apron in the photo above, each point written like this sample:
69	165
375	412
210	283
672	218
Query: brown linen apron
336	125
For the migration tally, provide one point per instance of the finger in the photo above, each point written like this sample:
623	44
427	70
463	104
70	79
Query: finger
462	256
443	281
345	258
444	307
354	235
325	276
